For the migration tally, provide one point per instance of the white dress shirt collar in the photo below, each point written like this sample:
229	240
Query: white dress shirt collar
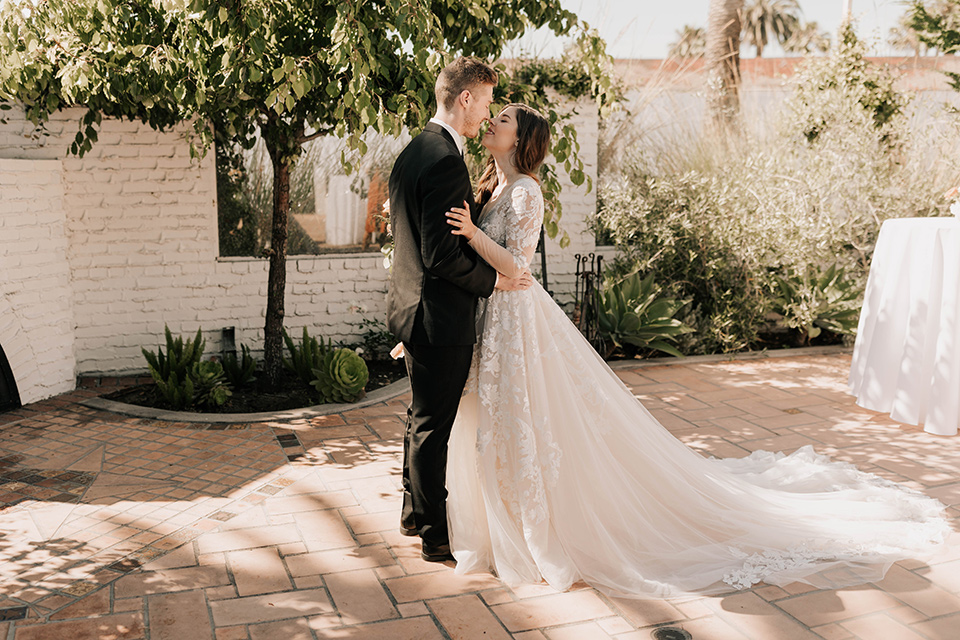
457	139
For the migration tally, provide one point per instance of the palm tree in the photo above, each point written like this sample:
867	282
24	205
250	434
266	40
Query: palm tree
722	56
766	20
807	38
690	43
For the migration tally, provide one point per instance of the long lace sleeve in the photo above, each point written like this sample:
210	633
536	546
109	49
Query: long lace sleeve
522	236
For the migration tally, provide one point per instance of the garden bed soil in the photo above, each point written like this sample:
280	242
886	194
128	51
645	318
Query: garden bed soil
256	398
770	339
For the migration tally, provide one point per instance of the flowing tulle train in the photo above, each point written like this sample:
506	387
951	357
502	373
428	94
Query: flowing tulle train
557	472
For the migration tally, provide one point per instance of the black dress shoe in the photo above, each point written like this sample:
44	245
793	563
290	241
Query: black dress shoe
439	553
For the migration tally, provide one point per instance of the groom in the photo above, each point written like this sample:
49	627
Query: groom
434	286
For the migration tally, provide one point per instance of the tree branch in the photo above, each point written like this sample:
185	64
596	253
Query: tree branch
314	135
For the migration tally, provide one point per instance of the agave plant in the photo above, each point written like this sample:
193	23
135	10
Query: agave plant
179	358
341	376
306	356
176	392
630	313
814	301
171	371
240	371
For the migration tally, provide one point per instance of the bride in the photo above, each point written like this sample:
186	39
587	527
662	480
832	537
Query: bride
556	472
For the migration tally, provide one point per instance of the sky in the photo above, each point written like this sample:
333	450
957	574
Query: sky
645	28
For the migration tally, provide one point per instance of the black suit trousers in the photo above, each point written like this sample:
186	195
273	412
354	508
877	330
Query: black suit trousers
437	377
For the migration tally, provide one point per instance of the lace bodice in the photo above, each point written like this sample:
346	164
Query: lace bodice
510	227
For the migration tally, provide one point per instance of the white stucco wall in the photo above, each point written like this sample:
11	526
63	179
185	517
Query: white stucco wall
36	316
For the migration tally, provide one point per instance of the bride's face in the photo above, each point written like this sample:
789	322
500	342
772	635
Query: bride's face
502	133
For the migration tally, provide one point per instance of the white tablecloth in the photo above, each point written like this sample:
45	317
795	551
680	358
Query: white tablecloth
906	361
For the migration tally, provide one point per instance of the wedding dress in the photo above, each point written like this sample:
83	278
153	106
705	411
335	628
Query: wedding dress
557	472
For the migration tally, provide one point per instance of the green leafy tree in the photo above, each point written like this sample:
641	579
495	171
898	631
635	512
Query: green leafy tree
937	25
902	37
847	72
286	72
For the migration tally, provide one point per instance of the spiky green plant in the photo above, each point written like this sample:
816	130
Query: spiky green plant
179	358
176	393
306	356
171	371
240	372
341	377
631	313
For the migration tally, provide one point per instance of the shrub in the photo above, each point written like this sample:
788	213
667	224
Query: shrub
682	229
341	376
376	341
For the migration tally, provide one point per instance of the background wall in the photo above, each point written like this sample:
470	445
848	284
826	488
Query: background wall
36	315
130	243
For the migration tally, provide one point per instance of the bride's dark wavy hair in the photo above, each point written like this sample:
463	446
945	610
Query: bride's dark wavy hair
533	143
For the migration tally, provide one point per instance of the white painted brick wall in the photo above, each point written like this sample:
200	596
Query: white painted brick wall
36	315
579	209
139	233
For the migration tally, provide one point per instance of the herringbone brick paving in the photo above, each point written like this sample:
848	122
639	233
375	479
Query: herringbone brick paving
124	529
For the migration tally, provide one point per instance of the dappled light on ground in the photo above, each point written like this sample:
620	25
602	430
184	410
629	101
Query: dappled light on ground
127	528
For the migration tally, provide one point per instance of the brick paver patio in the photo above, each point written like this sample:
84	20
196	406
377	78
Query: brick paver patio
120	528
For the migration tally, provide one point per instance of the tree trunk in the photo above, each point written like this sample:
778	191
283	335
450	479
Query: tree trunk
723	62
277	278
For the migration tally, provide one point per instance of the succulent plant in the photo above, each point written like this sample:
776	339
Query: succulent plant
630	312
341	377
210	385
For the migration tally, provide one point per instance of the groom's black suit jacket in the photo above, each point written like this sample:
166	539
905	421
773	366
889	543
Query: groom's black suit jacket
437	276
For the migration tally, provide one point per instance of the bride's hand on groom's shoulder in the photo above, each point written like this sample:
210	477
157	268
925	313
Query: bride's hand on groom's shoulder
524	281
461	222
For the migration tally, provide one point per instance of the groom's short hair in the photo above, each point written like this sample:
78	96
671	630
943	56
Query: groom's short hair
463	74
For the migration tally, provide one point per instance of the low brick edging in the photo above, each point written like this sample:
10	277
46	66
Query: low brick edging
374	397
400	387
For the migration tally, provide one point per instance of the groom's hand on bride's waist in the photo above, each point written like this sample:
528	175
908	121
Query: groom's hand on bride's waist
524	281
